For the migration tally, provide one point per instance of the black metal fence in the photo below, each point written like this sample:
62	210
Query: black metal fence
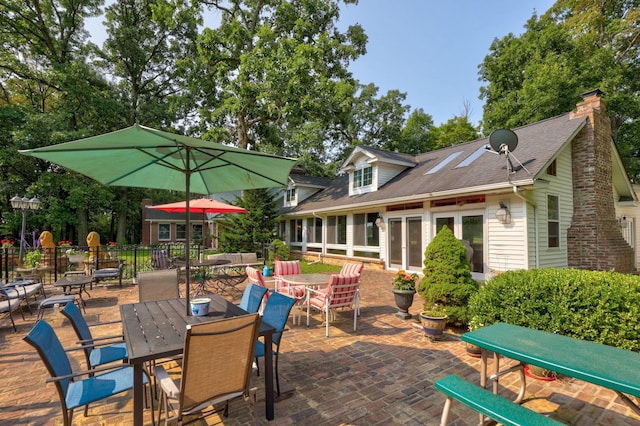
52	264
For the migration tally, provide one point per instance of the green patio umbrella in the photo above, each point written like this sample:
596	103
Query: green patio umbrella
139	156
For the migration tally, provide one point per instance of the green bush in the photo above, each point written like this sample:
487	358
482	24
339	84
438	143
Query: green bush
602	307
447	277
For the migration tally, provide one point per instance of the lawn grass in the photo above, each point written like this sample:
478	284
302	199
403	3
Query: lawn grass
311	268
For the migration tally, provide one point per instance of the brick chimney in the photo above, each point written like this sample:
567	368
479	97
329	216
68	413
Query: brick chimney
594	239
146	236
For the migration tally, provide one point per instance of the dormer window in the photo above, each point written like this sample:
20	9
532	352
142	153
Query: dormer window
362	177
291	195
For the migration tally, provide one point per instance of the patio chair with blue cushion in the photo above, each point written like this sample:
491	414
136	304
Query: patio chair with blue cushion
252	297
275	313
97	351
72	391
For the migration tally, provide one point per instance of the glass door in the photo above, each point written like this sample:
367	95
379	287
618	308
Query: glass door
395	243
414	244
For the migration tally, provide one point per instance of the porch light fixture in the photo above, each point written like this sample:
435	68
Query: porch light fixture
380	222
503	214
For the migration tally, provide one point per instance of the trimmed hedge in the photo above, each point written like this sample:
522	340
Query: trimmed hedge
602	307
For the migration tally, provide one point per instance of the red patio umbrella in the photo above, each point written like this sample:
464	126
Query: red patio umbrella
201	205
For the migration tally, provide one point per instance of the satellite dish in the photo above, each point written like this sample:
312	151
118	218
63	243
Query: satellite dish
503	139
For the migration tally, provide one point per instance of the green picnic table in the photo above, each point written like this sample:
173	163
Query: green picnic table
607	366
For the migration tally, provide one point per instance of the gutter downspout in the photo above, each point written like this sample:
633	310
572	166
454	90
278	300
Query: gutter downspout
535	221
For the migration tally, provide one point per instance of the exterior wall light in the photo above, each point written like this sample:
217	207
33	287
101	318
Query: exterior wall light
380	222
503	214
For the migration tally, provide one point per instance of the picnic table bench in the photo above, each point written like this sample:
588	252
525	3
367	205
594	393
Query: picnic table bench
613	368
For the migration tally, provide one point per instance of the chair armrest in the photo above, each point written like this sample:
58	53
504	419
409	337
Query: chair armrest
166	383
317	291
85	373
96	339
104	323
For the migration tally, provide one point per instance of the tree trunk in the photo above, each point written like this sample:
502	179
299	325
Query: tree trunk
83	226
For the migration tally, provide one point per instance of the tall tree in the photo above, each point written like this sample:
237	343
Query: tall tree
456	130
269	68
249	231
416	136
578	45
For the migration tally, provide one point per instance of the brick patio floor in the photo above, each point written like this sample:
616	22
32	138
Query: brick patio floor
382	374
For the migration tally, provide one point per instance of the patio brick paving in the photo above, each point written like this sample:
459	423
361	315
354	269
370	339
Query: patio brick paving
382	374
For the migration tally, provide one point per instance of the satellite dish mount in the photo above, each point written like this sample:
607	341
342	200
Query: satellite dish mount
504	142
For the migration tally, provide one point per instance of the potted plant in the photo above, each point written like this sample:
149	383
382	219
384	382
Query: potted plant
434	320
447	277
473	350
32	259
404	287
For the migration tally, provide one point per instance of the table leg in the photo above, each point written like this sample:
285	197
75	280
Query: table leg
484	355
268	377
138	388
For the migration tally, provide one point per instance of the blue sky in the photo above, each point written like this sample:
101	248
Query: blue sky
431	49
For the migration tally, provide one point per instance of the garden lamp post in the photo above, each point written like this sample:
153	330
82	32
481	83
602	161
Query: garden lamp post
24	204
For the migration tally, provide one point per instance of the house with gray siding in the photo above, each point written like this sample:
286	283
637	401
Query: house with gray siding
561	198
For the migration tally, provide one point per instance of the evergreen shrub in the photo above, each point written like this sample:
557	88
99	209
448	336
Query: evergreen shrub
447	277
602	307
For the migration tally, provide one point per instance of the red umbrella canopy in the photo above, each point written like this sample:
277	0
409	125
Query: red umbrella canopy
201	205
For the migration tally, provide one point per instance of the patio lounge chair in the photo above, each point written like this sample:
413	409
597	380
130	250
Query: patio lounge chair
75	393
216	368
8	303
343	292
160	259
276	312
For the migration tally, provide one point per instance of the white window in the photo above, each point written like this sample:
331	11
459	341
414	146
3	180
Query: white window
314	230
365	231
291	195
164	232
181	232
337	229
363	177
553	220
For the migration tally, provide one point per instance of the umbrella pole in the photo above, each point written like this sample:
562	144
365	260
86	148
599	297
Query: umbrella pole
188	234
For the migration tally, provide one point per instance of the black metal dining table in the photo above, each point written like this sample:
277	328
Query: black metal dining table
154	330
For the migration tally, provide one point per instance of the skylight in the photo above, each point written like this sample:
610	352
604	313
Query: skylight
443	163
473	157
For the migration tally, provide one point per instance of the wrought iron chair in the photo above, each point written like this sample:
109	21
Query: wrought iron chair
216	368
343	292
275	313
76	393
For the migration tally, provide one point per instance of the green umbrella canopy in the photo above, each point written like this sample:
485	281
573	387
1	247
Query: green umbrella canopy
139	156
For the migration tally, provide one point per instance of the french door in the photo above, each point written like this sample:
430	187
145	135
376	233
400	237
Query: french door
405	243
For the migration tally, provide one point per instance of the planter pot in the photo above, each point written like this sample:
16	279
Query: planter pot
76	258
473	350
539	373
433	326
404	300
